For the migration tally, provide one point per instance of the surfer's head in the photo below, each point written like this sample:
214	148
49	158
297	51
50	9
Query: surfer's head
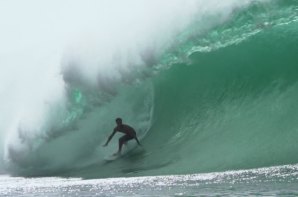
119	121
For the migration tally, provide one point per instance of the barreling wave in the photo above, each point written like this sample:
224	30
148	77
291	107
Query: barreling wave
218	99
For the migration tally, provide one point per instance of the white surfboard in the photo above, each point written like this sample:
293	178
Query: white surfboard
112	157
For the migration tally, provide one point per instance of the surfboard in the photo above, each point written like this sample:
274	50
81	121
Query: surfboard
127	149
112	157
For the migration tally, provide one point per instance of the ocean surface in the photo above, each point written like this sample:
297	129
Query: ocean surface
272	181
210	87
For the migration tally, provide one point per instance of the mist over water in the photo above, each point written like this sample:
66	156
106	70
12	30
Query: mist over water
189	73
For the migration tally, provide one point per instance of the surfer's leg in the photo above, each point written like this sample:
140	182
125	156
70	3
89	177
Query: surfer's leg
138	141
123	140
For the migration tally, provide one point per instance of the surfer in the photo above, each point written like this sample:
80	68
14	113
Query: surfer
127	130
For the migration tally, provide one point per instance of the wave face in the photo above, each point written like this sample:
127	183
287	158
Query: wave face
219	97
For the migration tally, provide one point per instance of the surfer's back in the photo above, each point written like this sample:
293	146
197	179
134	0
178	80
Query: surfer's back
126	129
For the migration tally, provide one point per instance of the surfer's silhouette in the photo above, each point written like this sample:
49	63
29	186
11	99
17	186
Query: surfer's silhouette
127	130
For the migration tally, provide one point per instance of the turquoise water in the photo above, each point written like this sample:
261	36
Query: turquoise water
216	110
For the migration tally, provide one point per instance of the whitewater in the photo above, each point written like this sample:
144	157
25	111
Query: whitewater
209	86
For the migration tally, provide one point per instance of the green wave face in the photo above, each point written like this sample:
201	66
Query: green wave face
232	106
222	99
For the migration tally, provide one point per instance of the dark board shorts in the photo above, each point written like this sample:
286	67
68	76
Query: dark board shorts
126	138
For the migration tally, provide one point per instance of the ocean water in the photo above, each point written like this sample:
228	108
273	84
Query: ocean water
210	87
272	181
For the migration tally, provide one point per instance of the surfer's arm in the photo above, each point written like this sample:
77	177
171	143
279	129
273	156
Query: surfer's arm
110	137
